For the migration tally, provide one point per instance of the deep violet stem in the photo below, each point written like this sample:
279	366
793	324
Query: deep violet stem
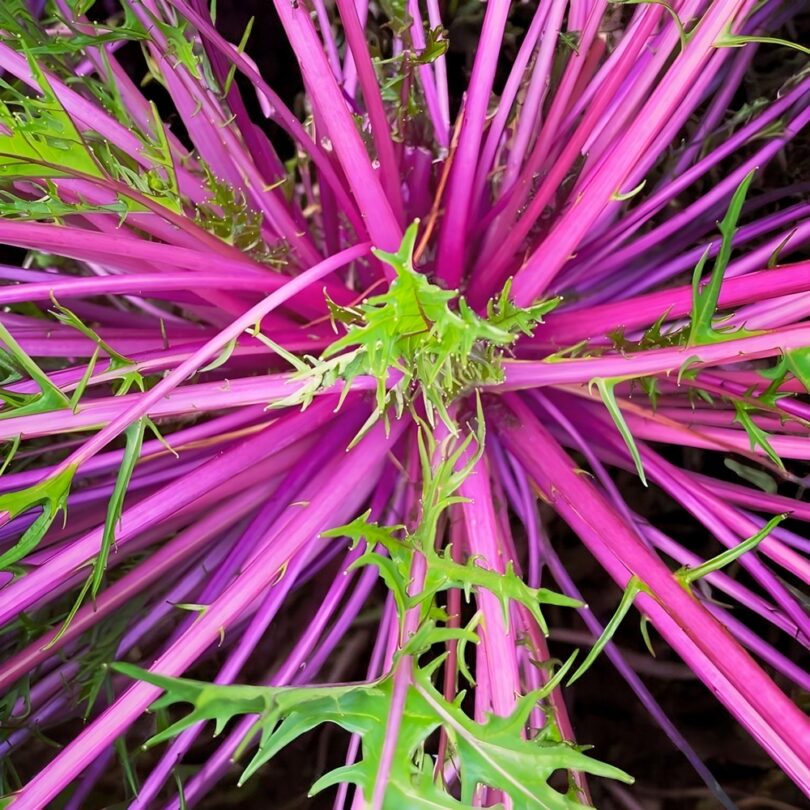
380	656
296	670
351	479
563	579
404	665
550	254
501	219
755	499
187	583
438	115
727	525
655	361
403	675
257	144
253	316
716	112
247	643
568	328
454	233
711	653
495	133
89	779
169	558
440	72
90	115
326	95
299	668
519	492
369	86
726	583
530	118
255	535
693	212
501	244
377	665
760	648
280	113
671	259
129	254
349	69
218	429
273	440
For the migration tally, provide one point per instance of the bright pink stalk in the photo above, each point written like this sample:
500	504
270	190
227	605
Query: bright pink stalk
739	683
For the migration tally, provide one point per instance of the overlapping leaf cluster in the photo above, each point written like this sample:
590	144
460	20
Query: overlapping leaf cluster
490	753
419	341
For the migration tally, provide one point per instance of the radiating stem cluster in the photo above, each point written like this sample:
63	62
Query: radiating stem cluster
306	406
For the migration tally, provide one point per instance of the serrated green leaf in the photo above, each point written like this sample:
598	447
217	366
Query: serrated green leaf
687	575
704	299
757	437
798	362
134	440
50	397
608	395
493	753
634	587
51	494
441	347
729	40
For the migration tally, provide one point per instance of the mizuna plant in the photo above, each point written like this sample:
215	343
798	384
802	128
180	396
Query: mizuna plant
298	426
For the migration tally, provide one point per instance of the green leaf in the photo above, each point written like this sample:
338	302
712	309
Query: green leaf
441	347
757	437
78	392
606	392
51	494
682	36
704	299
132	452
240	49
50	397
729	40
687	575
494	753
221	358
129	375
436	45
621	196
798	362
12	451
41	139
634	587
758	478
